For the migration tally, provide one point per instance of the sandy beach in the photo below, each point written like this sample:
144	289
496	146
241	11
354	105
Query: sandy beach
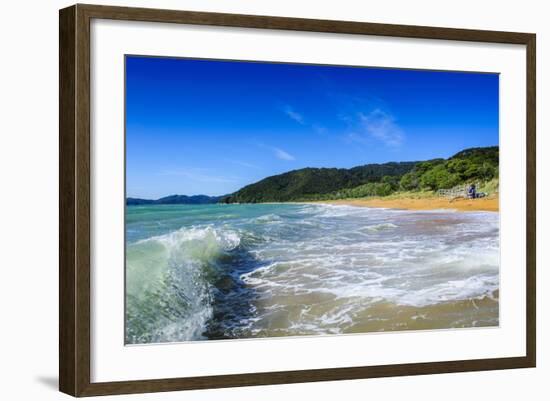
489	204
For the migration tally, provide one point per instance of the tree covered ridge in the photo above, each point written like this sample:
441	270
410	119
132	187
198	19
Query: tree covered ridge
469	165
175	200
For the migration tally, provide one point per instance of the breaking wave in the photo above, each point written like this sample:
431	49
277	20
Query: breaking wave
169	283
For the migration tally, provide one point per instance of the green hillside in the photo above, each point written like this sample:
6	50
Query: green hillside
470	165
311	182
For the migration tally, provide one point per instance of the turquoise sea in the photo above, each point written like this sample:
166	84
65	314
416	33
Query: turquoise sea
197	272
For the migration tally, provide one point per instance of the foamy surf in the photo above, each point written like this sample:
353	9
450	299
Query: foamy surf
241	271
382	226
168	287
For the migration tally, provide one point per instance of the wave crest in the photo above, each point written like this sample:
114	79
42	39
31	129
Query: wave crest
168	283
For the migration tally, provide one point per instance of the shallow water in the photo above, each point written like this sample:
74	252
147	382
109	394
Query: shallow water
242	271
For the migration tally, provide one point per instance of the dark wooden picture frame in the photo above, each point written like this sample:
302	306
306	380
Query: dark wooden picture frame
74	199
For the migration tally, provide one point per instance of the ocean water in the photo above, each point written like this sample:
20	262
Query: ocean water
247	271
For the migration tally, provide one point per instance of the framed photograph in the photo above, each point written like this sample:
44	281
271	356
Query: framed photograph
250	200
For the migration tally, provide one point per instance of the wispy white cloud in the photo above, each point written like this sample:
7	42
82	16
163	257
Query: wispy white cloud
301	119
377	125
277	152
242	163
283	155
382	126
293	115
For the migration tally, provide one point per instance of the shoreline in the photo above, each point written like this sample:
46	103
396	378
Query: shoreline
489	204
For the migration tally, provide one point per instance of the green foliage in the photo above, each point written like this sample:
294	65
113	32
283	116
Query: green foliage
490	187
409	182
310	184
369	189
423	167
439	177
392	181
468	169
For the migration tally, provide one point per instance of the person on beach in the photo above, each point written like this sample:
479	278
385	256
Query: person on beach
472	191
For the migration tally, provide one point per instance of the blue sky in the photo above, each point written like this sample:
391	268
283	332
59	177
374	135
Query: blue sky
212	127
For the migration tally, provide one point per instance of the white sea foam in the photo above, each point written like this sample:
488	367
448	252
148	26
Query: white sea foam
473	287
407	259
381	226
208	235
268	218
309	269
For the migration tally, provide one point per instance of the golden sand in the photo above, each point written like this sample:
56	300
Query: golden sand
489	204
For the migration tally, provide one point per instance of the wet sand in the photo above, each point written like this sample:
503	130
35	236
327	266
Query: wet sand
377	317
489	204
